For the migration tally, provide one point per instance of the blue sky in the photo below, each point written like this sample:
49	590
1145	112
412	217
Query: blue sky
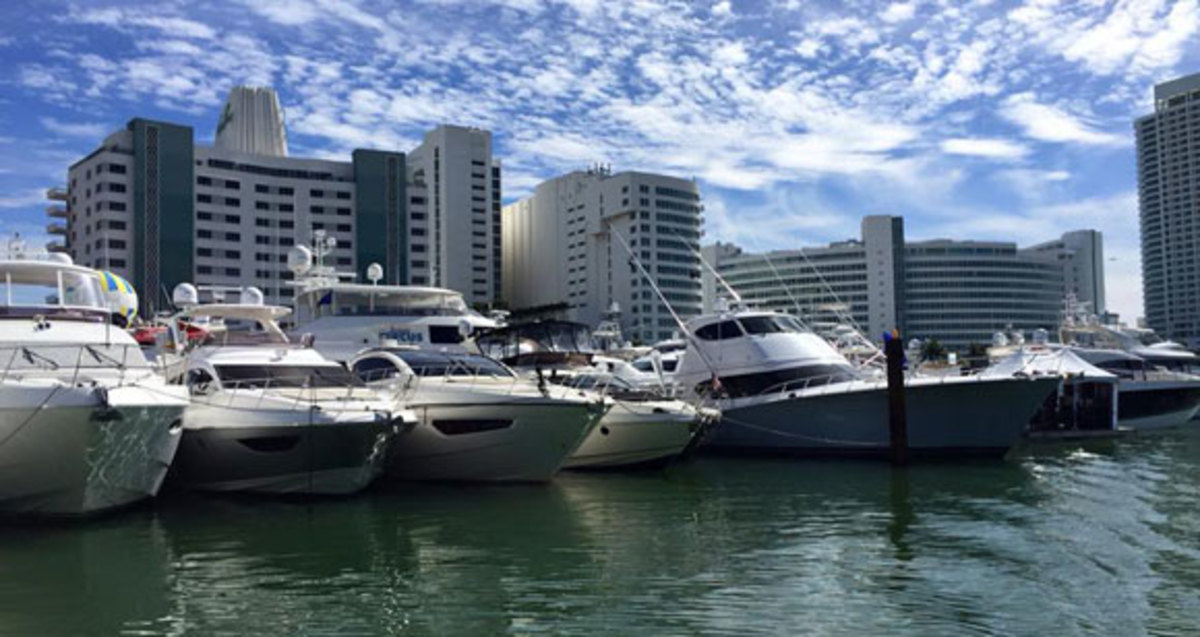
993	120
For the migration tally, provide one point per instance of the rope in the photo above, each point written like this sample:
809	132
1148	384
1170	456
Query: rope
32	415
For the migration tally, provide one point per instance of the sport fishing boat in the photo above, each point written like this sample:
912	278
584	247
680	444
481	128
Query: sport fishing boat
477	419
640	429
783	389
86	425
345	317
271	416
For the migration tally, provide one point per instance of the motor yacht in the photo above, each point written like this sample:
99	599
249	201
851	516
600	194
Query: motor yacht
640	429
344	317
268	415
478	420
86	425
1149	397
783	389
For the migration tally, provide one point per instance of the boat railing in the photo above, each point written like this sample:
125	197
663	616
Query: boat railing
71	362
301	397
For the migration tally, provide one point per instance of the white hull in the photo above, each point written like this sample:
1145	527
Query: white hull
541	436
65	451
637	433
281	451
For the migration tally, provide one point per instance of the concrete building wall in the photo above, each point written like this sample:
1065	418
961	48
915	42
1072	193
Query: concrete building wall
960	292
563	248
157	209
454	172
1168	149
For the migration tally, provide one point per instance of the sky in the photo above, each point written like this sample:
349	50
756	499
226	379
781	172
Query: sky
987	120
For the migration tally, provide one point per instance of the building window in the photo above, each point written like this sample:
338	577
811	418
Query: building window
232	185
342	194
233	201
204	181
316	193
286	207
287	192
261	188
233	236
262	205
343	227
204	198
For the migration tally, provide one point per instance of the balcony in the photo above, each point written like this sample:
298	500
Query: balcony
55	246
56	194
57	212
57	229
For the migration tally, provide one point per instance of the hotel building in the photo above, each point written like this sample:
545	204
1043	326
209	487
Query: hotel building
155	207
565	253
959	292
1168	153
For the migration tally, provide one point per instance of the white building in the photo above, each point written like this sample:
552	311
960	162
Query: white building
1168	149
959	292
454	200
155	207
563	251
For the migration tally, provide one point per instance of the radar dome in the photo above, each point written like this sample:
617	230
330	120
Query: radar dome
374	272
185	294
299	259
251	296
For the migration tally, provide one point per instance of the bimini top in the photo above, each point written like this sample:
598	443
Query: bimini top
1048	362
539	343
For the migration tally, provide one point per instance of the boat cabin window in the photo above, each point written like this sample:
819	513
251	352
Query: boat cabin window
292	376
719	331
375	368
670	365
444	335
383	302
760	325
426	363
49	287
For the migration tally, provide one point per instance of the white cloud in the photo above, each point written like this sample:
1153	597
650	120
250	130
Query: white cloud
982	147
89	130
898	12
29	197
1048	123
722	9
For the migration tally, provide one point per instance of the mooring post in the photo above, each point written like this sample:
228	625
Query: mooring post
893	348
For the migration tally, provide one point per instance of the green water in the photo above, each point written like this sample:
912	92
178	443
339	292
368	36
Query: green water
1101	539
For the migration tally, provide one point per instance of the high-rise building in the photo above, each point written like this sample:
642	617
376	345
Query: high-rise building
1168	156
959	292
455	199
565	249
152	205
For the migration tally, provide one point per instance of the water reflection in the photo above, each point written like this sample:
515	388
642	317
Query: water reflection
1067	539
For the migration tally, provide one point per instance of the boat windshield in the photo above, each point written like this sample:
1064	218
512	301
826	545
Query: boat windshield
286	376
49	287
545	336
427	363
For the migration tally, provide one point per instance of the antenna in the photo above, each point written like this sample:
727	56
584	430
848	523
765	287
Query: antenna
658	292
720	279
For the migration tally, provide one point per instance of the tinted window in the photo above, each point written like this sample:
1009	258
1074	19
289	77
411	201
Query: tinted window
760	325
444	334
259	376
719	331
370	369
426	363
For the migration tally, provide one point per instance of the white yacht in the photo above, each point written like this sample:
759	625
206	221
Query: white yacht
271	416
478	421
86	425
640	429
345	317
1148	396
783	389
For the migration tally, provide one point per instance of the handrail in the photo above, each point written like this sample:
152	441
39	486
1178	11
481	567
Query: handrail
68	361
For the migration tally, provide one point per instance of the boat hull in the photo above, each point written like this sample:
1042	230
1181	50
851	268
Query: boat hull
1153	405
77	451
944	418
290	457
498	442
637	434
